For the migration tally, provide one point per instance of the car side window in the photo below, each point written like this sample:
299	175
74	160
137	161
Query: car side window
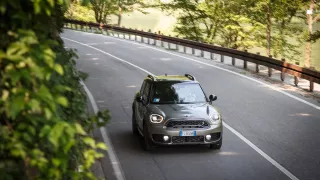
146	91
142	87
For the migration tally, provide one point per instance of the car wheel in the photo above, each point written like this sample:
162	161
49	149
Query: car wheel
147	143
134	124
217	145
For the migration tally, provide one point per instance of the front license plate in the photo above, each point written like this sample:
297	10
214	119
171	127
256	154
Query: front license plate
187	133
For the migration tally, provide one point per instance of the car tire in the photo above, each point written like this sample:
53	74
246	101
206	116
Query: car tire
217	145
134	124
147	143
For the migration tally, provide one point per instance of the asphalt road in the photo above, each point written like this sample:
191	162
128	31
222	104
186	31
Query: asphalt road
285	129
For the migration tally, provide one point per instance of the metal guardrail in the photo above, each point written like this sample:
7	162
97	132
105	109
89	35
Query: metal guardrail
286	68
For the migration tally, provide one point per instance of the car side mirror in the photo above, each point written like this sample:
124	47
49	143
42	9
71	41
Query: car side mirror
213	97
139	98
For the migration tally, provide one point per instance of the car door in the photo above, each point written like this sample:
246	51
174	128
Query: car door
143	106
138	105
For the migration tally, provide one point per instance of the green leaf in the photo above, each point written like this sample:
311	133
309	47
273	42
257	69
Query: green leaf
62	101
69	145
51	2
5	94
18	151
27	137
102	146
35	105
44	131
17	105
58	68
44	92
89	141
56	162
36	7
80	129
48	113
56	133
32	130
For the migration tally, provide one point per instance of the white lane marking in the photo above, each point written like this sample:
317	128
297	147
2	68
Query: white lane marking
93	44
263	154
112	155
109	55
227	70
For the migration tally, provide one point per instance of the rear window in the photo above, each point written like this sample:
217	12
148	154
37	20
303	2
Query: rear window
177	93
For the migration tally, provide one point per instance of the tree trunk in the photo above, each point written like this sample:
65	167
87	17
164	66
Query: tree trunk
308	44
119	16
268	30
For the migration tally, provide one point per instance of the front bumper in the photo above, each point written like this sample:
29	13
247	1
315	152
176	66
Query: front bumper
157	132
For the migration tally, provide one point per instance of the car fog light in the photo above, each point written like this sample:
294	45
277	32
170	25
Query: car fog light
165	138
208	137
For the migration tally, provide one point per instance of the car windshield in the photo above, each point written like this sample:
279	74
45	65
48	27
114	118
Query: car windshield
177	93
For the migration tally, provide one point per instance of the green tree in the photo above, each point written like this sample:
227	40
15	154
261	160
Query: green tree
44	128
214	21
103	9
126	6
277	16
312	36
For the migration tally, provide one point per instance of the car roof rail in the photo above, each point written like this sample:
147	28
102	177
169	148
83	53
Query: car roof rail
151	77
190	77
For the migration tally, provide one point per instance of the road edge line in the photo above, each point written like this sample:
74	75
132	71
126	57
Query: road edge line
111	153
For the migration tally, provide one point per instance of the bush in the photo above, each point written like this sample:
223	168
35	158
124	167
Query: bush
44	128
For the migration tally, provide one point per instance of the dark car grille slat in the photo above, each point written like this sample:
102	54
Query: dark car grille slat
187	124
186	139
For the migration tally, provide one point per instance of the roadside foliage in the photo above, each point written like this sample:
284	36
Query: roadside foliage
44	125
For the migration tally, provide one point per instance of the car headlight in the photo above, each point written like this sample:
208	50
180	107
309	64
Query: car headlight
156	118
214	118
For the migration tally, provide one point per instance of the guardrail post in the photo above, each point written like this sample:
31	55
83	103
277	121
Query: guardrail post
222	58
311	87
245	63
202	53
282	76
270	69
211	56
257	65
193	51
233	61
296	81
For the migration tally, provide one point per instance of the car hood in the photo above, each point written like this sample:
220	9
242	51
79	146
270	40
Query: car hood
184	111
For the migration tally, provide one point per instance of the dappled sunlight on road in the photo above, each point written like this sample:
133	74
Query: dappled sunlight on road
131	86
301	114
226	153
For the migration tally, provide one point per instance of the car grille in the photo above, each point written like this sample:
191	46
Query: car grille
184	139
187	124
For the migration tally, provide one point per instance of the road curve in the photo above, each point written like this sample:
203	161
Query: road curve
285	129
